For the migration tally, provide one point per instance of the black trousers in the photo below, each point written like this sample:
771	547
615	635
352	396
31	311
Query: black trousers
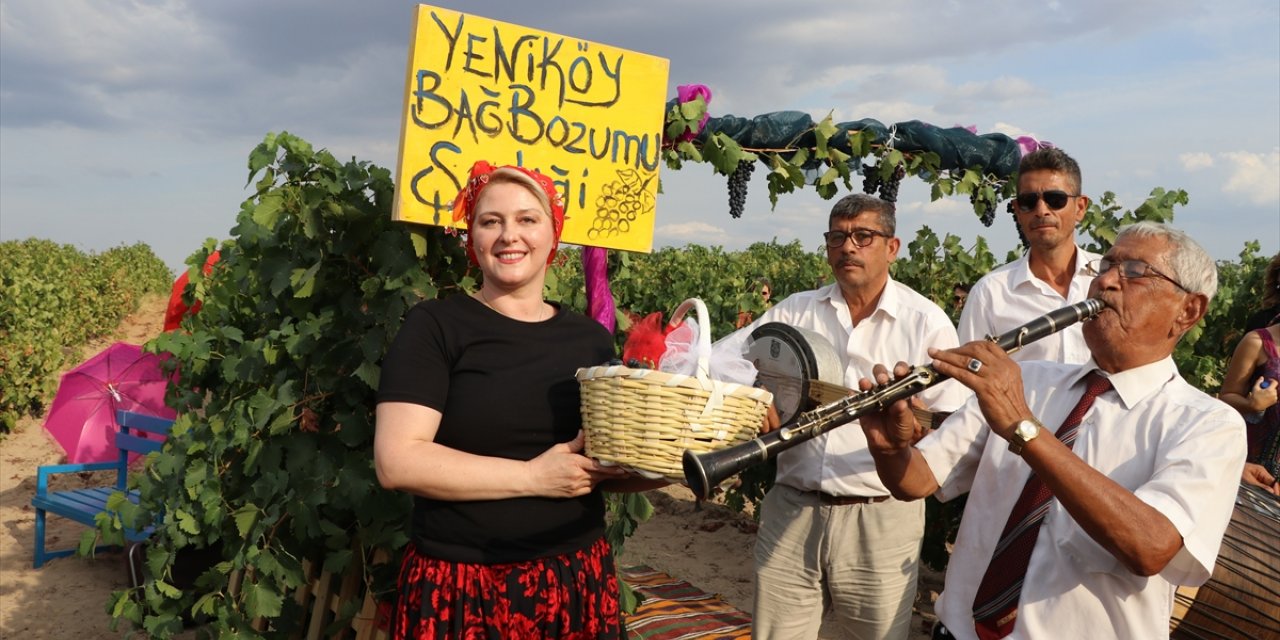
940	632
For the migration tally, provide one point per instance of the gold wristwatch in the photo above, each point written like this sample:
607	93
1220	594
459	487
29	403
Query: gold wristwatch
1023	432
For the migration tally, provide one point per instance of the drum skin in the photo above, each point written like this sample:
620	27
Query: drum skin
1242	598
787	358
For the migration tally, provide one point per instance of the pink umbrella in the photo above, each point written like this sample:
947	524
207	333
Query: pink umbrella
82	416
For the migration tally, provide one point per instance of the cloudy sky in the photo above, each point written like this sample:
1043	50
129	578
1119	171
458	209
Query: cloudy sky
131	120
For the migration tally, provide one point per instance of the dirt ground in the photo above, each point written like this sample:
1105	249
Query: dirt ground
709	546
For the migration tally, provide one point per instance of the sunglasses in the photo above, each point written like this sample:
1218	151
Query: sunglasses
1131	270
861	237
1053	199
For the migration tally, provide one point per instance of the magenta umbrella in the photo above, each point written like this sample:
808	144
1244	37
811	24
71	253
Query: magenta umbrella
82	416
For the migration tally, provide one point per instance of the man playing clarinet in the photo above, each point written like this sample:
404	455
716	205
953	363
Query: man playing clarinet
1094	489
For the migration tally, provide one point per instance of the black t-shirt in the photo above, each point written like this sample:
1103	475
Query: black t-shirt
506	388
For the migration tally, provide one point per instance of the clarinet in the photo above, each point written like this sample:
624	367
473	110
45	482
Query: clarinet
702	471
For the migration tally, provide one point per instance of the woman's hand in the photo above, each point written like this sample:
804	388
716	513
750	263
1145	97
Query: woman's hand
1256	475
563	472
1263	394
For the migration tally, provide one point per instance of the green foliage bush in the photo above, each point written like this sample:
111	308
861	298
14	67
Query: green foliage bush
54	298
270	460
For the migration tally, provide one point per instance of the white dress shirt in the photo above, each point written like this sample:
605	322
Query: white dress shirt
903	325
1179	450
1011	296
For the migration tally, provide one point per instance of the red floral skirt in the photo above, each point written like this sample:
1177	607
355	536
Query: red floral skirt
572	597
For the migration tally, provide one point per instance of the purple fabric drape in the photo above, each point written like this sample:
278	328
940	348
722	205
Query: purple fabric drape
599	297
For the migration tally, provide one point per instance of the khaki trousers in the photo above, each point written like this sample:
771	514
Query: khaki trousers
858	562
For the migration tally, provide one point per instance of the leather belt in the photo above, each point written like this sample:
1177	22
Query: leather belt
843	501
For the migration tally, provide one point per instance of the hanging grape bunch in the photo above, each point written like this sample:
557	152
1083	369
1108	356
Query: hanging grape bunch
870	179
889	189
738	187
1013	213
986	210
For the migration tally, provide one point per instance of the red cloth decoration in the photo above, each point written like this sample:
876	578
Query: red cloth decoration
464	204
177	309
646	342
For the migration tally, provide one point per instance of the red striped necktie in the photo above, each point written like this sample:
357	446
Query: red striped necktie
996	603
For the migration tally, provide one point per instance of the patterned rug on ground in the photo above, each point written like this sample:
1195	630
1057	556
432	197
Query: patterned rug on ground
673	609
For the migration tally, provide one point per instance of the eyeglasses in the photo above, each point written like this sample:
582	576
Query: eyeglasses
1053	199
861	237
1130	269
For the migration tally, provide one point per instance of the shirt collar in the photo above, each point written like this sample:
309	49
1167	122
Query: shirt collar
1136	384
890	302
1022	267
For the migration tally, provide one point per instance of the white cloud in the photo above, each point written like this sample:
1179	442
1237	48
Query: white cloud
688	232
1196	161
1012	130
1255	176
945	207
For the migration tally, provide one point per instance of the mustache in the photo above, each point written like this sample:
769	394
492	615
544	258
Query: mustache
850	261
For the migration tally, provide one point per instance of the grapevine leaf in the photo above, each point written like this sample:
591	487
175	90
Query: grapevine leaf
261	600
689	150
337	561
187	522
893	158
167	590
245	517
368	372
693	109
261	156
267	211
87	541
303	281
205	605
829	176
419	243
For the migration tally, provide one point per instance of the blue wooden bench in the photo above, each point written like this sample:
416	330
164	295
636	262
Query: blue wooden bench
82	505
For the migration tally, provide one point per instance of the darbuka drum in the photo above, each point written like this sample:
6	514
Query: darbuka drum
1242	598
789	360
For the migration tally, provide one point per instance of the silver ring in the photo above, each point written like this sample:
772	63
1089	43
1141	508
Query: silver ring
974	365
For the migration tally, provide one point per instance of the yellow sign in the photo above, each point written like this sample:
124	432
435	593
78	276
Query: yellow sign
587	115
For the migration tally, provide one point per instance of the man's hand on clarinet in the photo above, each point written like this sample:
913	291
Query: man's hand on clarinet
994	377
771	420
896	428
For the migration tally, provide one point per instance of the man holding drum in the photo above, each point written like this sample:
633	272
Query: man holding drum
1083	530
831	537
1052	274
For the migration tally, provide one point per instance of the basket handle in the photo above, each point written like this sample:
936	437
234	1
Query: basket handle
704	333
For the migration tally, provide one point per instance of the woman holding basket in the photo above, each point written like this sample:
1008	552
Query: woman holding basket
479	418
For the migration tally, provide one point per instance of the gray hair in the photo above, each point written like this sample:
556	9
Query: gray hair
853	205
1187	260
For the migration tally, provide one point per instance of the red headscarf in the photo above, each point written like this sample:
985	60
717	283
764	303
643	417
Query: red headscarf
464	204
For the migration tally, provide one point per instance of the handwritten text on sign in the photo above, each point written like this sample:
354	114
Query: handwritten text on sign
587	115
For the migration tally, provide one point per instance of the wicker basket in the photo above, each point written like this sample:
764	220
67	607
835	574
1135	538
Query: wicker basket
644	419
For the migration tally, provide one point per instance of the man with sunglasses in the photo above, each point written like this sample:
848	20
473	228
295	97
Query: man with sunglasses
1053	273
1095	489
831	538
